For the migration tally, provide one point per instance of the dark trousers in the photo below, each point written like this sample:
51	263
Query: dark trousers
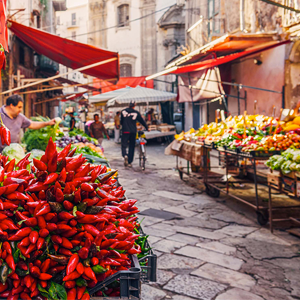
128	139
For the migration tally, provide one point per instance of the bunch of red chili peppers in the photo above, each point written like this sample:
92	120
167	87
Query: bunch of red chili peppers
4	134
66	221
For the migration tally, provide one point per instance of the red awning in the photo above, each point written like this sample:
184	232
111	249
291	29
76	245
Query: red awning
210	63
72	97
123	82
71	82
67	52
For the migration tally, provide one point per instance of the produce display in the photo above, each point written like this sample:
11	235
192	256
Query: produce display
287	162
38	139
248	133
82	136
65	225
89	149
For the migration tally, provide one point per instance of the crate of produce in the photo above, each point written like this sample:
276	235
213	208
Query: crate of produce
152	127
289	186
274	180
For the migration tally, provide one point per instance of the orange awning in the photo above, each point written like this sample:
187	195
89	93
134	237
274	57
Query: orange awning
69	53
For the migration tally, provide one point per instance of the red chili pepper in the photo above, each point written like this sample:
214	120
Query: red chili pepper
63	175
56	239
11	188
51	178
68	205
64	251
51	226
36	187
65	151
91	229
9	167
80	291
71	295
59	195
77	196
52	163
74	260
74	164
90	273
89	219
83	253
3	287
20	234
6	246
30	248
45	265
2	190
39	165
91	202
45	276
40	242
44	210
84	172
80	268
43	232
66	243
95	261
65	215
10	261
74	275
102	194
17	196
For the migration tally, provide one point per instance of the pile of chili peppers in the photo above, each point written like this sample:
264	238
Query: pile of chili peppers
65	222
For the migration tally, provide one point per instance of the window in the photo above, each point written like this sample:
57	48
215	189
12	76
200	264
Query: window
213	20
74	35
125	70
73	18
123	15
58	20
21	56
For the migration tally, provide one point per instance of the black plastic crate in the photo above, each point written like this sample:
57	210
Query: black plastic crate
130	282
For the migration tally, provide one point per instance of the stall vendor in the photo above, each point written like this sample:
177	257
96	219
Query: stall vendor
14	120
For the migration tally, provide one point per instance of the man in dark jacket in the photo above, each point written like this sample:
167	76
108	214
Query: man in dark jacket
129	117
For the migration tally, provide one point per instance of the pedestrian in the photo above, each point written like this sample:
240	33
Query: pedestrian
117	127
72	122
14	120
150	116
129	117
97	129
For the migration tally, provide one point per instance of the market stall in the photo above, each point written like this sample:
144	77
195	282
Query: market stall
68	229
240	150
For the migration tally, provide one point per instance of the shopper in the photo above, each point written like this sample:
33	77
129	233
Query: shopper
72	121
129	117
15	121
97	129
117	127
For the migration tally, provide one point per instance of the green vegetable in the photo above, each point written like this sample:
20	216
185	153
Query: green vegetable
57	291
38	139
77	131
36	153
88	151
14	151
98	269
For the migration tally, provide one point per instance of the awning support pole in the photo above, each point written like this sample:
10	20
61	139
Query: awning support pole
283	97
192	98
99	63
238	101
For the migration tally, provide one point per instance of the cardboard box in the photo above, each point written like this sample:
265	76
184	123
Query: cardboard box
289	185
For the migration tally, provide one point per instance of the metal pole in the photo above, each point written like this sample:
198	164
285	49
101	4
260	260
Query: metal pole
245	98
191	92
283	97
238	101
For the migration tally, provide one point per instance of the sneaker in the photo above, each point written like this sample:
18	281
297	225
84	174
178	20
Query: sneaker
125	160
130	165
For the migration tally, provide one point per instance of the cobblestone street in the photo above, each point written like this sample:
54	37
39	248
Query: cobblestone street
208	251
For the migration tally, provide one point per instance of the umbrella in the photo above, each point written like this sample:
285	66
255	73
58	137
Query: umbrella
141	96
109	95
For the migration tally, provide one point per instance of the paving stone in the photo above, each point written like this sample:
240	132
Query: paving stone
237	294
167	246
233	217
223	275
171	261
265	235
204	223
153	239
194	287
148	220
271	293
156	204
171	195
237	230
201	233
292	263
188	239
164	226
158	232
164	276
180	297
151	293
217	247
293	276
180	211
212	257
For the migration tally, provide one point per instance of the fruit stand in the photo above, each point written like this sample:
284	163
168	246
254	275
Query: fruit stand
240	150
67	229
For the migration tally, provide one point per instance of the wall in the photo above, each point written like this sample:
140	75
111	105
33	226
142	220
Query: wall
268	75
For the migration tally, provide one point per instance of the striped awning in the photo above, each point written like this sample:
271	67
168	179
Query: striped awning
107	96
142	96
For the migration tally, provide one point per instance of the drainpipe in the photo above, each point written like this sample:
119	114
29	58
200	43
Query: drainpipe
242	15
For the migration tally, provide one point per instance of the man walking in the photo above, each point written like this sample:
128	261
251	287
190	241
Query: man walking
129	117
97	129
117	127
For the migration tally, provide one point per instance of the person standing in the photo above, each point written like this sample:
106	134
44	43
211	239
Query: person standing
97	129
72	122
129	117
14	120
117	127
